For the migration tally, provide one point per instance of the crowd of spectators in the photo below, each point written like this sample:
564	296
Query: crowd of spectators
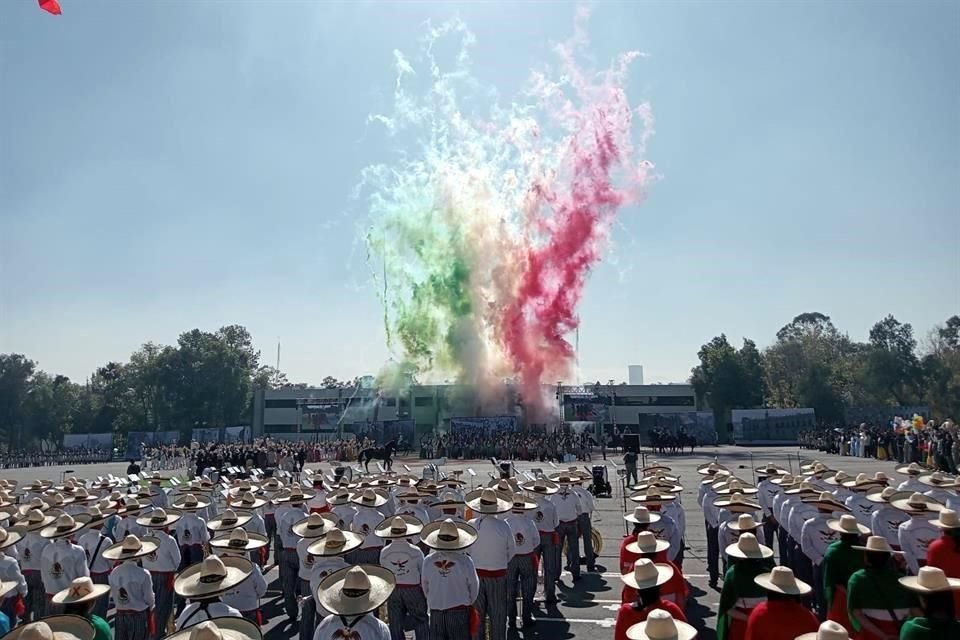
38	458
529	445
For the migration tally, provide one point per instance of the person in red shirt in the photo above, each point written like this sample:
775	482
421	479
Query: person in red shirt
646	579
944	552
641	519
647	546
784	615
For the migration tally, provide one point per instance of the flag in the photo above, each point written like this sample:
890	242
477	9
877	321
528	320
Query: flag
50	6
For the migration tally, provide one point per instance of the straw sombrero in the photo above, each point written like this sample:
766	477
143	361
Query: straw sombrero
35	521
35	503
642	515
212	576
540	486
883	495
917	503
877	544
339	498
747	546
131	547
190	502
37	486
314	525
829	630
847	524
803	488
646	574
912	469
447	499
786	480
825	502
744	522
736	486
228	519
710	468
660	625
54	628
448	535
398	527
6	587
782	580
930	580
646	543
947	519
659	486
336	543
246	500
356	590
520	504
565	479
226	628
487	501
9	538
64	525
736	503
81	589
159	518
770	470
863	482
937	479
369	498
653	497
239	540
837	479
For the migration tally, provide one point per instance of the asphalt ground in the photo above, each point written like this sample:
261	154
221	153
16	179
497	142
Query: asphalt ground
589	607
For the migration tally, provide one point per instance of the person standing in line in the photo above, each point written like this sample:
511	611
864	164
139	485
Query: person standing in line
80	598
644	582
918	532
766	491
132	589
290	513
815	537
740	594
784	614
840	561
191	529
13	604
308	530
370	513
584	522
204	585
522	569
937	594
405	560
491	553
247	504
944	552
31	550
352	595
876	601
245	597
93	543
545	517
162	564
449	580
886	519
568	508
62	560
271	487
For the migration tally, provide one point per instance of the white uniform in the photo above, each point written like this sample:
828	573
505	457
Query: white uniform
306	560
727	536
364	523
666	529
816	536
861	508
404	560
322	567
62	562
10	572
886	522
567	505
131	587
195	613
418	511
94	541
256	524
916	534
288	516
166	559
31	550
345	514
449	579
495	545
526	537
191	530
367	628
675	510
245	597
767	491
127	526
545	515
913	485
799	514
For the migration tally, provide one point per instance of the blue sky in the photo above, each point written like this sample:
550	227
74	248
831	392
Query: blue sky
165	166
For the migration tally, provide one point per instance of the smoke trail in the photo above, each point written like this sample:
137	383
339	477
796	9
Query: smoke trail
487	233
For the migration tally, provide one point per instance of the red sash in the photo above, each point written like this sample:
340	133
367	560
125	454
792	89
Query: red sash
838	609
889	628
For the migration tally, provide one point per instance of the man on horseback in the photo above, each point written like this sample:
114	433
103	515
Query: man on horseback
384	453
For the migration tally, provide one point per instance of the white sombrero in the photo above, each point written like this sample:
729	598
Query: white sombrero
487	501
336	543
947	519
744	522
219	629
227	520
239	540
938	479
847	524
829	630
64	525
825	502
646	574
54	628
212	576
190	502
369	498
877	544
642	515
660	625
131	547
9	538
917	503
353	591
930	580
710	468
159	518
246	500
448	535
646	543
540	486
398	527
315	525
782	580
80	590
747	546
35	520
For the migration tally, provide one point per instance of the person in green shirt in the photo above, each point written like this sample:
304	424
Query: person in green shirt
877	603
78	599
748	559
935	591
840	561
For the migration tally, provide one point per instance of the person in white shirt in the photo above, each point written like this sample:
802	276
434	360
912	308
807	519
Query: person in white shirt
318	503
941	488
448	505
247	504
766	492
545	517
342	508
568	508
351	595
162	564
913	471
886	519
329	553
522	570
127	514
314	526
132	589
271	488
158	497
665	528
405	560
62	561
289	513
10	572
585	523
860	507
918	532
204	584
706	495
492	552
93	543
731	507
191	530
245	597
410	505
369	505
815	536
31	550
449	578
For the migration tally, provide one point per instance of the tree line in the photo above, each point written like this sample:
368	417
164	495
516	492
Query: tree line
811	363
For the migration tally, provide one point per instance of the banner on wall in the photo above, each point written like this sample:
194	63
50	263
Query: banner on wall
492	423
103	441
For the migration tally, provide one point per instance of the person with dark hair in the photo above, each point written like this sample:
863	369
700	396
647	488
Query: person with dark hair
784	615
944	552
80	598
645	580
740	595
877	603
936	593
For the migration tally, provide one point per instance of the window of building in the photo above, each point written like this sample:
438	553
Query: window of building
389	402
280	404
423	401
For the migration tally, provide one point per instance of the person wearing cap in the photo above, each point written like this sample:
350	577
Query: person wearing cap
649	547
886	519
545	517
352	595
80	598
740	594
784	614
132	589
876	601
644	580
840	561
162	564
568	508
13	605
245	597
405	561
449	580
816	536
204	585
62	561
31	549
308	530
93	543
291	511
937	594
191	529
944	552
918	532
494	548
522	569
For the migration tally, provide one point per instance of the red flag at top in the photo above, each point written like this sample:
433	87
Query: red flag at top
50	6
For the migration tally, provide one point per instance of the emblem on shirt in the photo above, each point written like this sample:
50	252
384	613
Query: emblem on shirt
519	538
444	566
152	557
57	570
186	534
346	634
309	560
539	516
365	528
26	553
400	567
123	595
340	523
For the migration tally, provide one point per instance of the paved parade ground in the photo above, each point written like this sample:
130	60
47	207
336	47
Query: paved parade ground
590	607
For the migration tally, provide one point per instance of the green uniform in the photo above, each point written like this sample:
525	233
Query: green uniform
927	629
880	589
840	561
101	629
738	583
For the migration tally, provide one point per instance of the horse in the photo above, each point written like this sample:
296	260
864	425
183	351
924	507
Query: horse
384	453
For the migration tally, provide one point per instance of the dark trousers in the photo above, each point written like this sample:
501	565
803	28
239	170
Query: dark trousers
680	555
713	553
632	475
522	575
102	603
818	593
308	613
407	602
568	536
491	606
270	524
163	607
9	608
550	558
450	624
36	601
769	529
783	546
585	529
290	567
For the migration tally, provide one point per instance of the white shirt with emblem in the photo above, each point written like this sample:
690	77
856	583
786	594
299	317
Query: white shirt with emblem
306	560
586	500
675	510
799	514
131	587
545	515
127	526
526	537
195	613
861	508
495	546
94	541
366	628
449	579
322	567
246	595
345	514
167	556
766	492
666	529
286	518
886	522
916	534
364	523
567	504
62	562
816	536
404	560
31	549
191	529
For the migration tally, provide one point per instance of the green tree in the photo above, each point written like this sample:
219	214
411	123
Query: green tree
728	378
16	372
892	373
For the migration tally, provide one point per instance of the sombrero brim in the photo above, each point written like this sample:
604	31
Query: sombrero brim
639	631
182	506
907	471
890	550
500	506
798	588
219	524
633	547
913	584
36	526
763	552
413	527
747	491
146	521
13	537
189	585
729	505
735	526
903	505
64	627
322	546
116	551
302	529
466	536
643	499
834	525
664	573
674	488
64	597
654	517
833	506
379	502
230	629
522	505
546	490
53	532
256	504
331	596
945	527
254	541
